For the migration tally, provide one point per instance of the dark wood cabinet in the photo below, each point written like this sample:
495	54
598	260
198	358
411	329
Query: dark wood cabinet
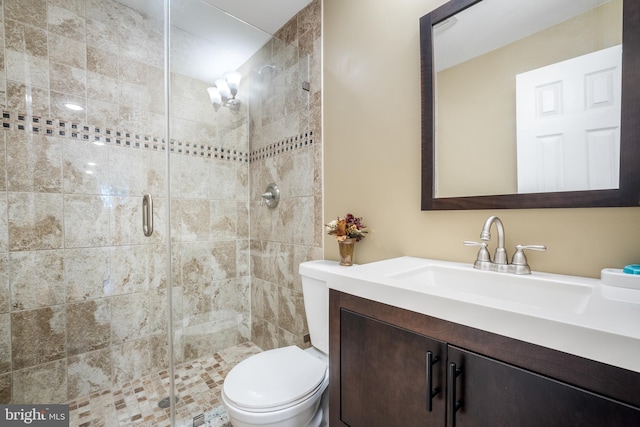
491	393
380	372
385	375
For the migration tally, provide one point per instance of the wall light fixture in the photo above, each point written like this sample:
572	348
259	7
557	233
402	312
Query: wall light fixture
223	92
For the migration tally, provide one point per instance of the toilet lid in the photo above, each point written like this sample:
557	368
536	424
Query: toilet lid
274	378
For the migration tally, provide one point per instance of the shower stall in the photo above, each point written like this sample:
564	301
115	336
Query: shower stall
137	262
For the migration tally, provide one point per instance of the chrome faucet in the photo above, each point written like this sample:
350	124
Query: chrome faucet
483	261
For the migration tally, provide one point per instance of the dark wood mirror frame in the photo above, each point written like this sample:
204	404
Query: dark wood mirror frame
629	192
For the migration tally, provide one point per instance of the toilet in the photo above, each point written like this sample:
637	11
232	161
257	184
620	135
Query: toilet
287	387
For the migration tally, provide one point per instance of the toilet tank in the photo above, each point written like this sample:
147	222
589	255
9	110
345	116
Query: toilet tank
316	300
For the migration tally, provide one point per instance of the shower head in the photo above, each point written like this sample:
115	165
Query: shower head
266	67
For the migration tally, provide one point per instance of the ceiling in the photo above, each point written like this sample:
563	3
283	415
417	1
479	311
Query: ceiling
228	31
269	15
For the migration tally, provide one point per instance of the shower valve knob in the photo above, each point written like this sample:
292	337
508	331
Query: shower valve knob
271	196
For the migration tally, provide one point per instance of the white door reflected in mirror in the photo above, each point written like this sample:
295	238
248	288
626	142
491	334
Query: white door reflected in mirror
568	124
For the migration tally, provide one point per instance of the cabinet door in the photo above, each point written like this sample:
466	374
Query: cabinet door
384	375
492	393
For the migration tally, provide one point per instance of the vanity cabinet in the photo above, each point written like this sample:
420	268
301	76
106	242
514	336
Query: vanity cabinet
392	367
492	393
385	374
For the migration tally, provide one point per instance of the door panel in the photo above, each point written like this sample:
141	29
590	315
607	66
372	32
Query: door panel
383	367
493	394
568	124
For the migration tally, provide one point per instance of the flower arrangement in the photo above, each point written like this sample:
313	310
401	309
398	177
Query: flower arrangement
349	227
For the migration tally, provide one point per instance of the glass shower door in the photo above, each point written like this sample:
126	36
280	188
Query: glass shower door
93	312
209	202
83	291
225	147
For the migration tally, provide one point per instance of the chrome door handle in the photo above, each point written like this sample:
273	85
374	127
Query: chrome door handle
147	214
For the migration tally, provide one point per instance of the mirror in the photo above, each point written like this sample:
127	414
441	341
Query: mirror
462	168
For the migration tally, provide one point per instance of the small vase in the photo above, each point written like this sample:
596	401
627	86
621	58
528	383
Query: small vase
346	251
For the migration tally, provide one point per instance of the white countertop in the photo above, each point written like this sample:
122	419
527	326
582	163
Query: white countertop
606	328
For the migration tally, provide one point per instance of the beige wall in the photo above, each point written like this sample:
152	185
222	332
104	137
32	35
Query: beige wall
371	132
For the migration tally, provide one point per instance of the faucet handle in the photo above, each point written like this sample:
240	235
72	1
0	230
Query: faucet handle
540	248
520	260
483	254
519	255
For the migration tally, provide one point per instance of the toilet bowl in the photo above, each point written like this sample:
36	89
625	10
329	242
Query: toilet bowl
287	387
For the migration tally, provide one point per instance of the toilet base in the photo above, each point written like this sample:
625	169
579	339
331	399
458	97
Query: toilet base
317	418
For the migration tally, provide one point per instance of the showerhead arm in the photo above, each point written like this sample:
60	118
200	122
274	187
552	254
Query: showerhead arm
269	66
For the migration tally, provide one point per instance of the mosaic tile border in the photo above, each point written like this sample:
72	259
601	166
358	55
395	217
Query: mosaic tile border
75	130
283	146
106	135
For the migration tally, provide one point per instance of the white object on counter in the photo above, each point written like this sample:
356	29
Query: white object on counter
615	277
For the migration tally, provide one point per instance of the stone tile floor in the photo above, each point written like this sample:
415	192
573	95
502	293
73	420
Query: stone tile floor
198	384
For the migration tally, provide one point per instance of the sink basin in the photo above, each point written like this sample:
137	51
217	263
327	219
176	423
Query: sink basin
539	290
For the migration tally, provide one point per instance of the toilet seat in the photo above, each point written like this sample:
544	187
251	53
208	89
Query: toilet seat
274	380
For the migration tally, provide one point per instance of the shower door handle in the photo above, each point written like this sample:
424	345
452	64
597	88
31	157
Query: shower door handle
147	214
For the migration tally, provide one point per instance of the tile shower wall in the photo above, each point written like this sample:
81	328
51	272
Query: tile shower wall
83	295
285	149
